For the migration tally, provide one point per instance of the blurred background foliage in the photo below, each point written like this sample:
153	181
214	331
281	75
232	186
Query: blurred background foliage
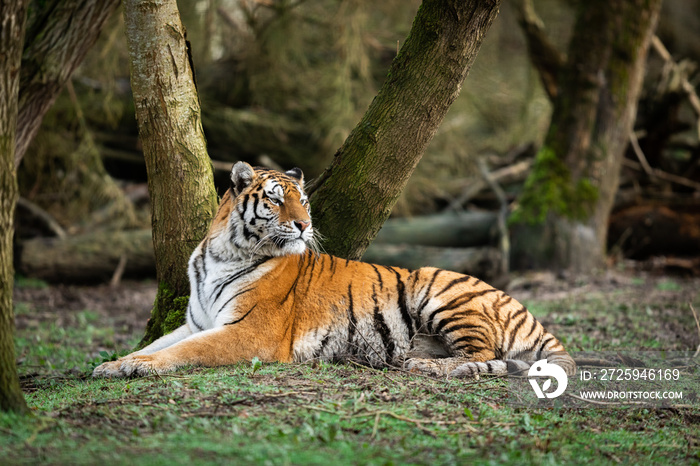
282	82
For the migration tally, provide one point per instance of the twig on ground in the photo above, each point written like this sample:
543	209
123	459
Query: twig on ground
416	422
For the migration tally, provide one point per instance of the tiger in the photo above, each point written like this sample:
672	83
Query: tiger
260	288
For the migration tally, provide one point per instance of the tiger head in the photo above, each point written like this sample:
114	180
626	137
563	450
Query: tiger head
265	213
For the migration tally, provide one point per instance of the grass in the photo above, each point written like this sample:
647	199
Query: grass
318	413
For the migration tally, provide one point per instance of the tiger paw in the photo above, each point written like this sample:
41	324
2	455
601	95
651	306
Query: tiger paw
425	366
135	366
142	365
109	369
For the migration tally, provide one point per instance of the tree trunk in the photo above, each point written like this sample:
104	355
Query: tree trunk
180	179
59	34
355	194
12	21
569	193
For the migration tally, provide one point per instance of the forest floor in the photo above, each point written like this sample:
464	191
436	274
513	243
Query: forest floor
345	413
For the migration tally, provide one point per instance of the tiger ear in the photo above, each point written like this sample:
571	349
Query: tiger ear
297	174
242	175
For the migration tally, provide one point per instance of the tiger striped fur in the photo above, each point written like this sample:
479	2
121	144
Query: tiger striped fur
258	289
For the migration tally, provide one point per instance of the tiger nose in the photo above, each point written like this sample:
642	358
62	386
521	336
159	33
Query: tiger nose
301	224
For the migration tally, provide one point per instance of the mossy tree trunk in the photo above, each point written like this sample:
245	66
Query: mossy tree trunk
12	21
59	34
180	179
562	216
354	196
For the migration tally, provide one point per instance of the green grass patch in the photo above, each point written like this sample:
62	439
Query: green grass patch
321	413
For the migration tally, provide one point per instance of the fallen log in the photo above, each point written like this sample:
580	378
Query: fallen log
451	229
88	258
444	241
482	262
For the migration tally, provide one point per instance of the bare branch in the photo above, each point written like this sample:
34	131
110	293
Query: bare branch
543	54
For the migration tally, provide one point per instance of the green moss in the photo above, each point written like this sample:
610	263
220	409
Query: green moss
550	188
176	316
168	314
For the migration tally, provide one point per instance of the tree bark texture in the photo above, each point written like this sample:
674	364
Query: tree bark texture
180	179
12	23
356	193
569	193
59	34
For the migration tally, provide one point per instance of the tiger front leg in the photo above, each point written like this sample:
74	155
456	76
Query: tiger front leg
216	347
113	368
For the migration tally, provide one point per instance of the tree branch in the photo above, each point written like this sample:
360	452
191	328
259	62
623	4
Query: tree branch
59	35
543	54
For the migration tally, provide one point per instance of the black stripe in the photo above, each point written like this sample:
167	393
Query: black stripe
380	280
324	343
514	332
223	284
200	275
383	330
544	343
244	315
190	314
247	234
454	317
256	201
352	322
291	289
223	306
469	348
311	258
472	329
427	296
403	308
513	315
454	283
532	329
455	303
468	340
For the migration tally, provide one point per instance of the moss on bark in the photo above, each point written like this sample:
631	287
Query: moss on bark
550	188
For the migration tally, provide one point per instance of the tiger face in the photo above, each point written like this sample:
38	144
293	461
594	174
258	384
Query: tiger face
268	213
